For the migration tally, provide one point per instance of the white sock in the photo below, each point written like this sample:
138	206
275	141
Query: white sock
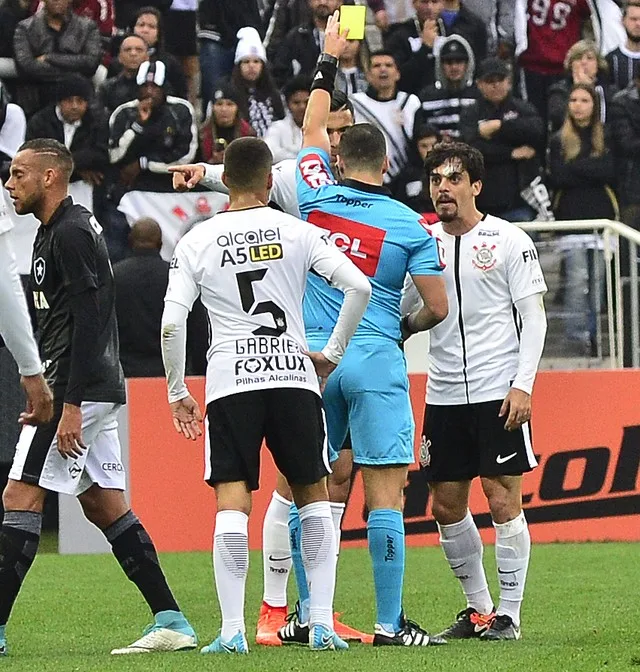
319	558
462	547
513	548
276	552
230	566
337	511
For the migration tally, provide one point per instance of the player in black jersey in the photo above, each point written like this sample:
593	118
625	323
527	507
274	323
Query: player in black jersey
78	452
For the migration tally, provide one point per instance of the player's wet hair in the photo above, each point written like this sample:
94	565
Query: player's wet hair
52	152
340	100
247	164
362	147
470	158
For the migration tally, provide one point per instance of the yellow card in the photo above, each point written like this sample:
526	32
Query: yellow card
352	17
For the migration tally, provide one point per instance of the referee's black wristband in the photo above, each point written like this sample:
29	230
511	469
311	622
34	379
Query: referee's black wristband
324	76
405	328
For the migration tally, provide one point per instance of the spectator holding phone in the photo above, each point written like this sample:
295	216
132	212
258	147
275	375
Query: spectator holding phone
223	124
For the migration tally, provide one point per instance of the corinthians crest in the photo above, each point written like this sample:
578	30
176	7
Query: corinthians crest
484	258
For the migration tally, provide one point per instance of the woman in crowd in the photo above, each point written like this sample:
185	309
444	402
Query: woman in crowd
352	77
224	123
260	100
581	171
583	65
148	26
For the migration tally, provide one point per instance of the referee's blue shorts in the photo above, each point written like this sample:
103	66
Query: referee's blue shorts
368	394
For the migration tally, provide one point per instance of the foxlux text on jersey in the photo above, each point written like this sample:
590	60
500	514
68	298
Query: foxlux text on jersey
243	246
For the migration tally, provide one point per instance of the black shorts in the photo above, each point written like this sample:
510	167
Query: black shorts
469	440
180	33
290	420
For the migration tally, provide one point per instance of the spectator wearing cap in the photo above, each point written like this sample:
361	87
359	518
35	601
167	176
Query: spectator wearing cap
298	52
453	90
510	134
411	186
149	26
219	22
583	65
416	42
149	134
123	87
51	45
76	125
223	124
284	137
393	111
259	98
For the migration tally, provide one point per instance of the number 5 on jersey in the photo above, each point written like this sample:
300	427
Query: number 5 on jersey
245	282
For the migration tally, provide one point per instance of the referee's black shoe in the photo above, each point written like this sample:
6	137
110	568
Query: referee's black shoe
294	632
469	623
502	629
410	634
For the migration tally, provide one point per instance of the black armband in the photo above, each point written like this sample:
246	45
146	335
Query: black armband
324	76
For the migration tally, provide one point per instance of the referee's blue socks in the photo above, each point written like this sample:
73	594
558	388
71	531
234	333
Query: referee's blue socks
385	532
295	538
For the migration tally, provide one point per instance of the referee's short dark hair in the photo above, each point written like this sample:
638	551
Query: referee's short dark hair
247	164
362	146
470	158
53	152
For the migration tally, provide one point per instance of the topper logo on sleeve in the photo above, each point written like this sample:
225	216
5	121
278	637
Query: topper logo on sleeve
314	172
362	243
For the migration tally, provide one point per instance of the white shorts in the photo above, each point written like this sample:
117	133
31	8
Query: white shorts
37	460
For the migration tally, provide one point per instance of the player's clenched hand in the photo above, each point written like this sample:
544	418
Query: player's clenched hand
186	177
335	40
517	407
322	366
39	401
70	443
187	417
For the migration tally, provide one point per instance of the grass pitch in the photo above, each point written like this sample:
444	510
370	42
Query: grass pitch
580	613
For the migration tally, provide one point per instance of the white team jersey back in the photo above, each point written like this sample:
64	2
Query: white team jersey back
474	351
250	268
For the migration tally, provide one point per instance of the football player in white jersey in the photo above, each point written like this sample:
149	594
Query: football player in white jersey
276	552
250	266
483	361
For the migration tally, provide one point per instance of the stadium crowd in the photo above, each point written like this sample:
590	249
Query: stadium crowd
547	90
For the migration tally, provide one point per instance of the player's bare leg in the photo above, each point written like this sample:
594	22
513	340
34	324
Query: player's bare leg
462	546
276	563
134	550
513	548
383	487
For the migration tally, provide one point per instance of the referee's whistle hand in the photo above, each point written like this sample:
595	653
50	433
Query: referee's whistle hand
69	434
187	417
517	407
39	401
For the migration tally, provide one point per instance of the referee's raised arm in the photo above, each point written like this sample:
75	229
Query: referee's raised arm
314	127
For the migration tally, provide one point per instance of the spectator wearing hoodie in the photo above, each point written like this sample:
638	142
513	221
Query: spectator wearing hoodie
260	100
583	65
510	135
352	77
415	43
453	90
